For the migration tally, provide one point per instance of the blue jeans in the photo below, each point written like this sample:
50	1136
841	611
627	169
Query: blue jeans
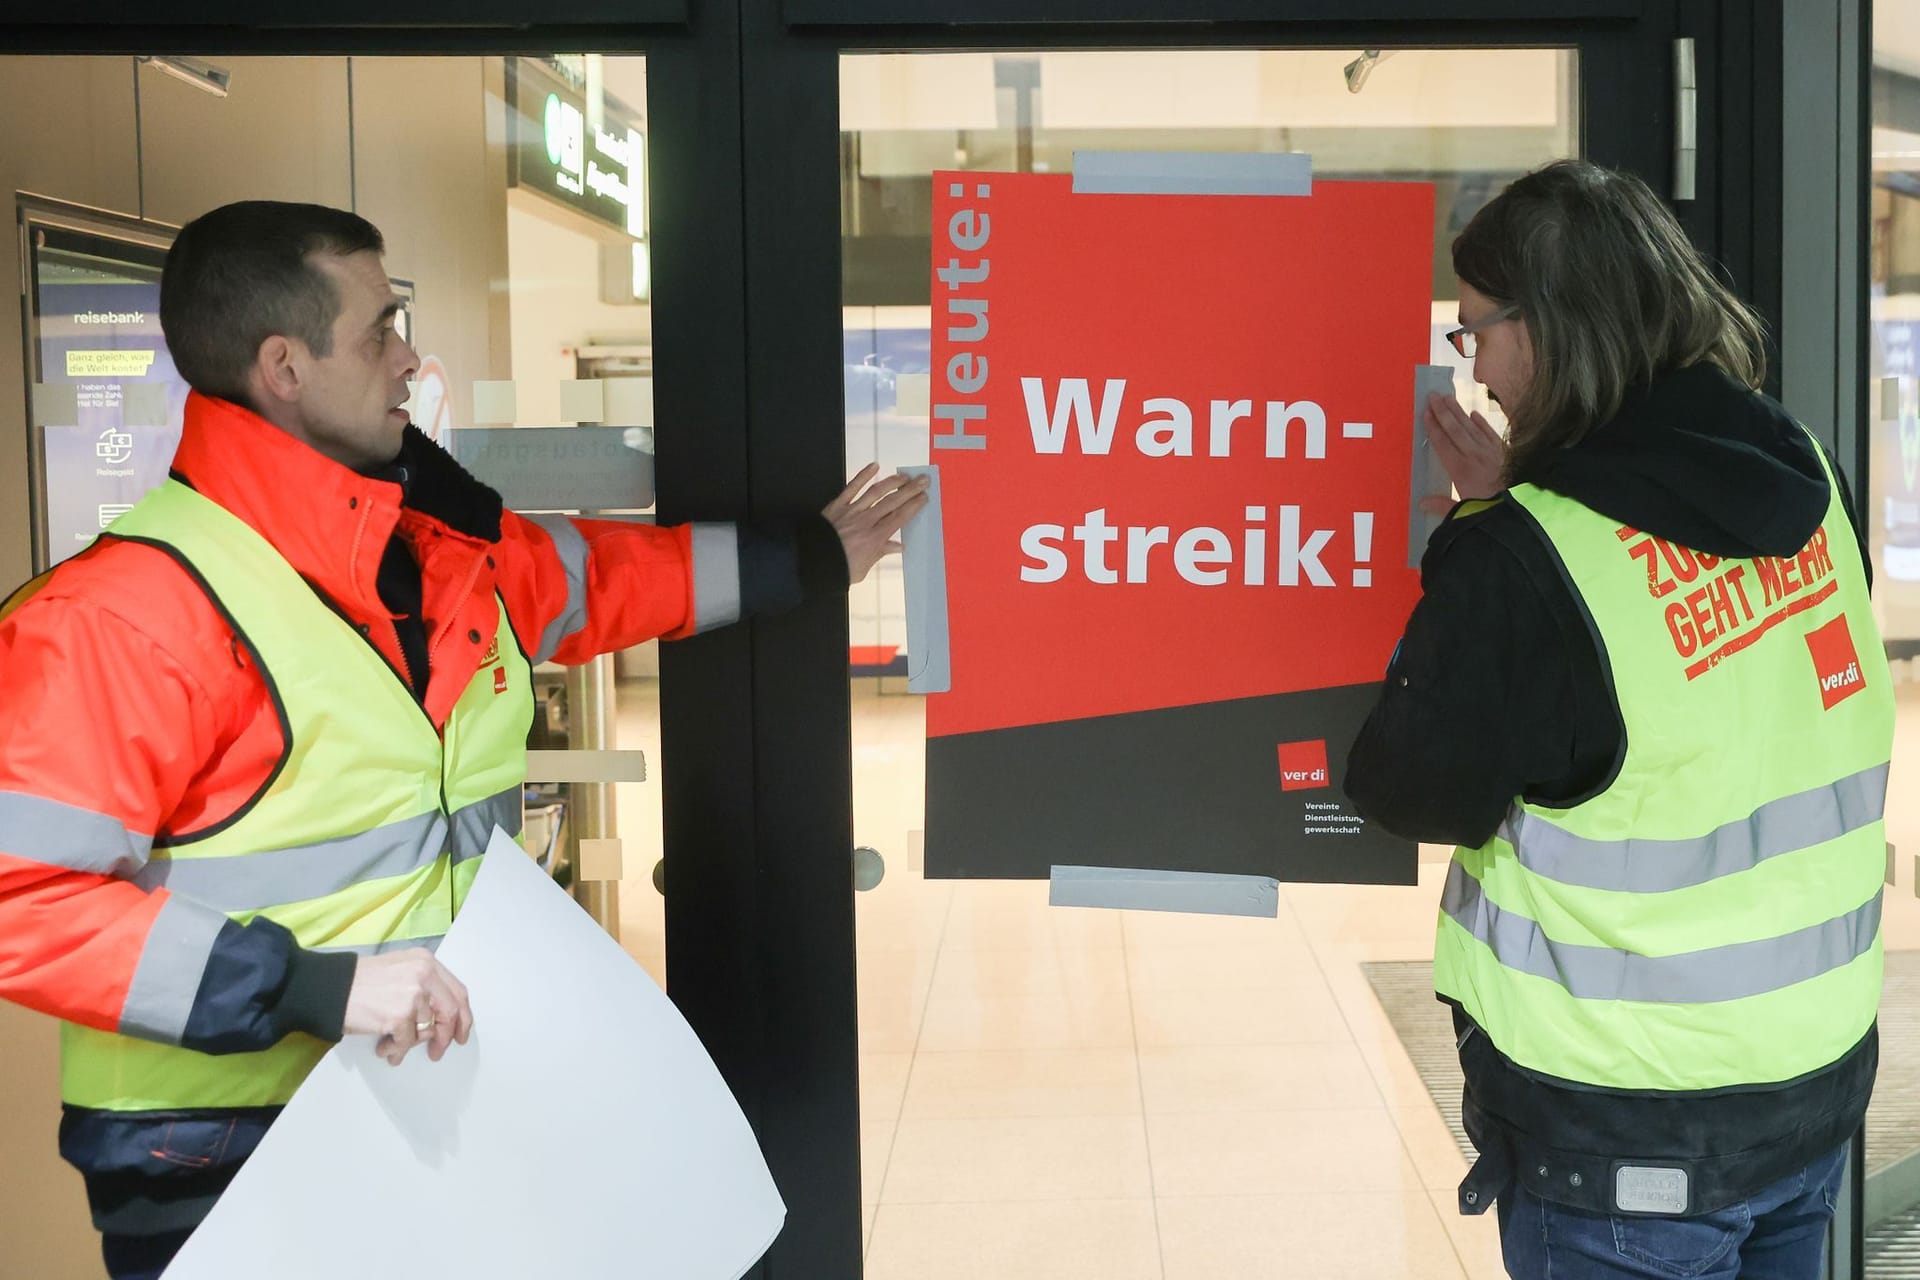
1780	1234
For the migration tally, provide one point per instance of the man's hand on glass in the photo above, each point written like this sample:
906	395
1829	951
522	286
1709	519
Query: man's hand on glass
868	513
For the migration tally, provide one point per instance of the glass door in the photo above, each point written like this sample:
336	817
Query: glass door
1039	1087
1048	1091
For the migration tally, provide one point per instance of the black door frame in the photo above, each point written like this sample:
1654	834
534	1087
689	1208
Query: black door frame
745	214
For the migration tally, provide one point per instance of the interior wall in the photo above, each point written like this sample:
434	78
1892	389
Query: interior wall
555	258
432	178
280	134
424	153
90	160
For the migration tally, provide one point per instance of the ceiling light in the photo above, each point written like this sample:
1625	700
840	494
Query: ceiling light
1361	67
204	76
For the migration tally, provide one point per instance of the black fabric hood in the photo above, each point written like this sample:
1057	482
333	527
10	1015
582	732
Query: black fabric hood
1698	459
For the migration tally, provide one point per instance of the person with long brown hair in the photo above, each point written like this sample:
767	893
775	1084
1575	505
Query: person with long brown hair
1644	695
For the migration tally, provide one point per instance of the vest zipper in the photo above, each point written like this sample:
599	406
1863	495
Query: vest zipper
413	677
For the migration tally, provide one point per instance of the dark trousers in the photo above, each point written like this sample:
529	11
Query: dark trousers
140	1257
1779	1234
154	1176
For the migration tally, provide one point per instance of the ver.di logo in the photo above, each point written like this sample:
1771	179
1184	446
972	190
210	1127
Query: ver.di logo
1303	765
1836	663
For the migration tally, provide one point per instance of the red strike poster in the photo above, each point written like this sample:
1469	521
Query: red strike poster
1174	435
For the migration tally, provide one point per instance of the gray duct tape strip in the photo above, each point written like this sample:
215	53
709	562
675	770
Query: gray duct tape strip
1138	889
143	404
1192	173
1429	477
924	560
55	404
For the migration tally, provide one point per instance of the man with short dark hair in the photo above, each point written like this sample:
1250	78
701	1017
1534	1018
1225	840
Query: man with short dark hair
254	740
249	271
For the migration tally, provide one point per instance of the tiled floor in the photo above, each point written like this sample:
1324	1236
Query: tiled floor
1056	1093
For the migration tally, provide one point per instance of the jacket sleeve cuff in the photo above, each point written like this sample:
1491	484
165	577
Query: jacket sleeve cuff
823	558
315	998
259	985
784	565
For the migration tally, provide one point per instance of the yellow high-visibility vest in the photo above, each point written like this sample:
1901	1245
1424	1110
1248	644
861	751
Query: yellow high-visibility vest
1711	918
366	838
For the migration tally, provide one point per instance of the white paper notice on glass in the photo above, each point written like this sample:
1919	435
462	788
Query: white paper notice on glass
582	1132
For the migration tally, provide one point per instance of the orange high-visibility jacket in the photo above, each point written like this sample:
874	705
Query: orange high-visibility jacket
131	712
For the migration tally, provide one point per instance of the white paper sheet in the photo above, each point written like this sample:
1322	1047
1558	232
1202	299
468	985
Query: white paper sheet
582	1132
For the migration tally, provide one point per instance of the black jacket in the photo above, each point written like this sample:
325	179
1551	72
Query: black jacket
1497	691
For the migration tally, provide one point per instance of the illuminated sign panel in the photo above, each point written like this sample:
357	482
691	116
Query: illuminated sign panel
558	150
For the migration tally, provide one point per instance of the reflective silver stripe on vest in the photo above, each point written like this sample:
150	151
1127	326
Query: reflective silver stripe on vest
473	826
716	576
168	975
1693	977
1654	866
572	549
251	881
382	948
63	835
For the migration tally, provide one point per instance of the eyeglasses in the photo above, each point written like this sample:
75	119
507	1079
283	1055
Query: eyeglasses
1461	339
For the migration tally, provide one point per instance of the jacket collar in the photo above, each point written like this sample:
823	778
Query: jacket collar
443	491
331	523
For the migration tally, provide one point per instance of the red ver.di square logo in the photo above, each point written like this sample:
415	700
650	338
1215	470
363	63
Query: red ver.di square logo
1834	662
1303	765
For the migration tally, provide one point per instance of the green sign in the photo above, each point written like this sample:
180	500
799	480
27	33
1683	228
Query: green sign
598	169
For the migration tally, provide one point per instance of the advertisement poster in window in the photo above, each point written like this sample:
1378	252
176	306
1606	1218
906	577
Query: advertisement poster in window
107	396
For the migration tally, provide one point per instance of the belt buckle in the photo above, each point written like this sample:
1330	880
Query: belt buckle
1661	1190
